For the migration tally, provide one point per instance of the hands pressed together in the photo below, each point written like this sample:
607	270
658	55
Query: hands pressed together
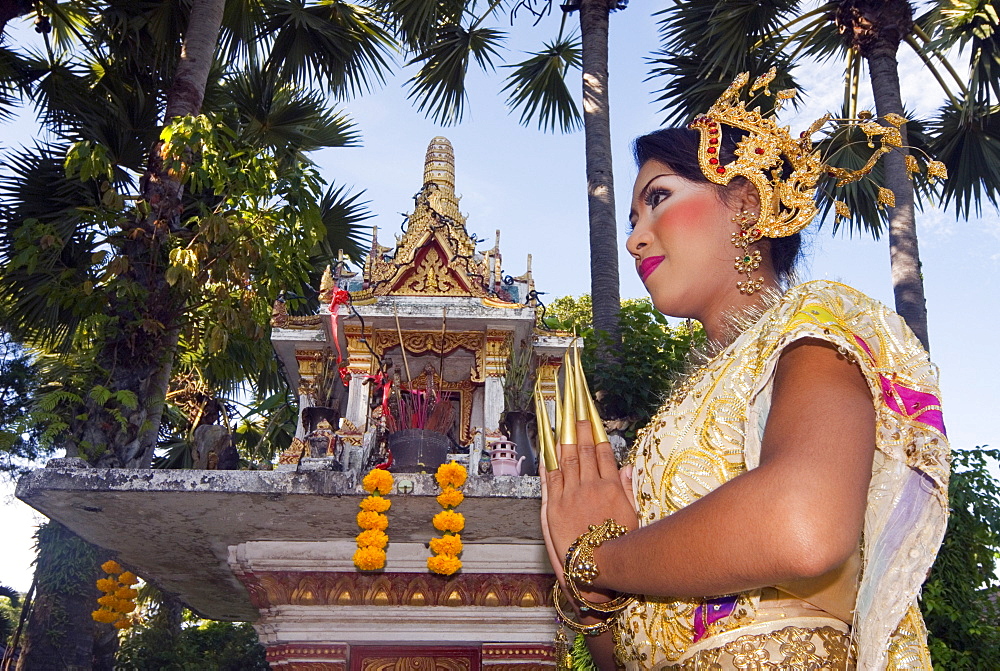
586	489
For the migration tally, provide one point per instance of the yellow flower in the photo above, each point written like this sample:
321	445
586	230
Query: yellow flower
378	481
375	504
372	538
450	544
126	593
128	578
450	497
369	520
449	520
452	473
444	564
111	566
107	585
122	624
104	615
369	558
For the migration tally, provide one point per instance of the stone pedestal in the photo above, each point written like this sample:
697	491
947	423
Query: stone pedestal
275	548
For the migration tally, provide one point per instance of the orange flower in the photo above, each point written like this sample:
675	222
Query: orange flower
449	520
111	566
125	606
122	623
126	593
104	615
369	558
107	585
450	497
372	538
378	481
450	544
128	578
452	473
370	520
444	564
107	600
375	504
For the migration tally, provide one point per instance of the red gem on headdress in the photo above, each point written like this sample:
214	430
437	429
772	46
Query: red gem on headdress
759	150
713	140
802	134
720	170
713	161
756	231
711	150
713	130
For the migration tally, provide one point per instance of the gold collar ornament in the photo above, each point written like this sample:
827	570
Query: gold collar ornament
788	204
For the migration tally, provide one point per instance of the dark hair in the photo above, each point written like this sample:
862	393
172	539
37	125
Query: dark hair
677	148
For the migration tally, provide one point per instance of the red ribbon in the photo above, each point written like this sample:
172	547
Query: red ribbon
340	297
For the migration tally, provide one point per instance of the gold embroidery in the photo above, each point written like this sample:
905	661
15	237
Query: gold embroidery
791	648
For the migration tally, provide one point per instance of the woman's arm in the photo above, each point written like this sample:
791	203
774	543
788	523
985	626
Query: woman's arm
798	515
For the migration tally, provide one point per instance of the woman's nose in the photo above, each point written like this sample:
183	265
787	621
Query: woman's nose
636	243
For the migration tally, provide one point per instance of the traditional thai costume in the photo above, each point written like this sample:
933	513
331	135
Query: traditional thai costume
865	613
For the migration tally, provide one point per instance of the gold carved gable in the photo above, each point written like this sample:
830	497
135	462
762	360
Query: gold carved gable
431	274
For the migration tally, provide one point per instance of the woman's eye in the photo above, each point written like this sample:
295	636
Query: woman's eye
656	196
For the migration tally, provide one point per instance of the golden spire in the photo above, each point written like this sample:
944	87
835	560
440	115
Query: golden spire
439	164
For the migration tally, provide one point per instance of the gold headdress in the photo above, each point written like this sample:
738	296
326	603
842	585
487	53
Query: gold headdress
787	203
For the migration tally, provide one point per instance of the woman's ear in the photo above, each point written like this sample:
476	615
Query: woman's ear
749	197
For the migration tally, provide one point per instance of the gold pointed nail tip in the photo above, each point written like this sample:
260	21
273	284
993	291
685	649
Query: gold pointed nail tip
580	388
567	412
557	418
545	437
596	423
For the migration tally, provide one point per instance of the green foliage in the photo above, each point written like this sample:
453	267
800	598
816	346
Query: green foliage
18	383
10	613
959	597
651	356
205	646
582	660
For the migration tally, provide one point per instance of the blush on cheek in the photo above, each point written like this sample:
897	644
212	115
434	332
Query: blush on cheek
684	214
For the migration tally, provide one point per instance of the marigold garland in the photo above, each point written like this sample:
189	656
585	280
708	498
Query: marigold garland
118	599
446	549
370	555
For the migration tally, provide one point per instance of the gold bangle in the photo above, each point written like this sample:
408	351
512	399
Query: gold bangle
573	625
580	566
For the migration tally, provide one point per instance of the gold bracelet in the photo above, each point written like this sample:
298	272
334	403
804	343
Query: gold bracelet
580	566
573	625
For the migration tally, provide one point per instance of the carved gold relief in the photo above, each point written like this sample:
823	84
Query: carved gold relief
300	588
498	345
417	342
416	664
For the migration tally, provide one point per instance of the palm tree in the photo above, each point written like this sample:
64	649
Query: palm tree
705	44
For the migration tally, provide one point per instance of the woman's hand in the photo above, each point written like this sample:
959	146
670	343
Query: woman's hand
586	489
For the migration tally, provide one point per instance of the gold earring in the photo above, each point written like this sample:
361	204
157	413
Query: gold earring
748	261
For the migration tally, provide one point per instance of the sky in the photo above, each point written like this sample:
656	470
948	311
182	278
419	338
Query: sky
531	185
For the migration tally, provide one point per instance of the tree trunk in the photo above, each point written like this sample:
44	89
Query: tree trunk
60	634
875	28
604	287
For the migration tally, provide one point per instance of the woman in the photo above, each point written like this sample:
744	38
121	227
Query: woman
786	503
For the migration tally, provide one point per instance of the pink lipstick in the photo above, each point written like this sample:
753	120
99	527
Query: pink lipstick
648	265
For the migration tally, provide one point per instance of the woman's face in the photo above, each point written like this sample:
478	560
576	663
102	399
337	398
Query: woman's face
682	245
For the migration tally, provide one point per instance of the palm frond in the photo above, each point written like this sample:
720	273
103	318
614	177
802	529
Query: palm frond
342	214
291	120
967	141
439	85
538	86
415	23
238	33
704	45
340	43
974	26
